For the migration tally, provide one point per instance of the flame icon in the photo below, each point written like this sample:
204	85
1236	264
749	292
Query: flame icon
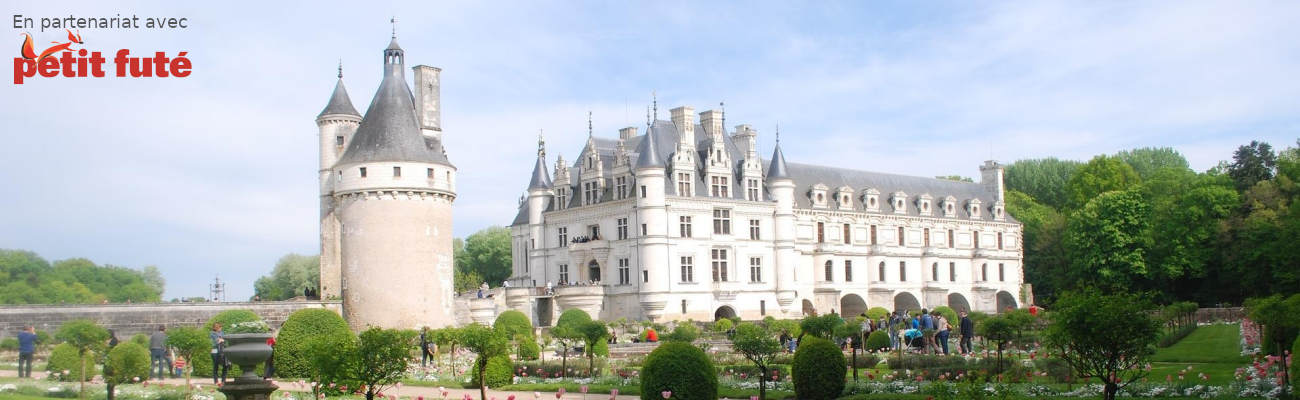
28	48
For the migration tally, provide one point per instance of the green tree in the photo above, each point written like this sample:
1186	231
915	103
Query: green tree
818	369
333	360
1147	161
189	343
1100	175
487	254
998	329
382	356
957	178
1046	260
291	358
1279	319
448	338
87	337
516	327
153	278
1188	216
124	364
760	346
822	326
1108	240
568	330
1251	164
682	369
593	333
852	332
292	274
1044	179
486	343
1109	337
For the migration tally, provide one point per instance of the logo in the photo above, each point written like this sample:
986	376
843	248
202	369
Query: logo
87	63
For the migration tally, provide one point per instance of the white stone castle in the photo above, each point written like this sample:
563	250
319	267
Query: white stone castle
687	222
387	189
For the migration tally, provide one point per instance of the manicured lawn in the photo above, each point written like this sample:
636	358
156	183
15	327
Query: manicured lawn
1219	343
21	397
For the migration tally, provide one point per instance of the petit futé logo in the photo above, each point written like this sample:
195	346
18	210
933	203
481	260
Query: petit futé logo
87	63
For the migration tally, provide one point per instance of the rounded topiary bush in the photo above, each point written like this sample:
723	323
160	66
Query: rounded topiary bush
722	325
683	369
64	358
231	317
529	350
140	339
126	363
876	313
601	348
818	369
949	314
878	341
291	358
500	371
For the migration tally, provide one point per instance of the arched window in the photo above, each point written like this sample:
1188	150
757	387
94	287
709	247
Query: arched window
828	270
1002	277
984	273
902	271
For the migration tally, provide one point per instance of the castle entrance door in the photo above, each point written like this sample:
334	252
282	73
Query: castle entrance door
593	271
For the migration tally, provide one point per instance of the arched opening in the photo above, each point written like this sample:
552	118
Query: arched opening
808	308
724	312
1006	301
852	305
958	302
593	271
906	301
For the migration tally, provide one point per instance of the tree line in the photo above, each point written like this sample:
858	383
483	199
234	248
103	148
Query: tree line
26	278
1142	220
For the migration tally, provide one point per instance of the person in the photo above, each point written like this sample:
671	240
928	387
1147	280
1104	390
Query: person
218	353
269	369
482	289
424	347
170	355
893	327
785	341
651	336
549	288
26	347
927	328
158	353
179	365
967	333
941	324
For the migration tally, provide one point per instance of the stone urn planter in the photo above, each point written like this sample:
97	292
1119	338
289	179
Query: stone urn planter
248	351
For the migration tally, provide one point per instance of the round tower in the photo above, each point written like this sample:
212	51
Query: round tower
781	186
652	212
393	193
336	124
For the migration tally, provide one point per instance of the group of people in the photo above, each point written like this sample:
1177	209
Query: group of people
927	332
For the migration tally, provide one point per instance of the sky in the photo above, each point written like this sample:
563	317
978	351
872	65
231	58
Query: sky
215	173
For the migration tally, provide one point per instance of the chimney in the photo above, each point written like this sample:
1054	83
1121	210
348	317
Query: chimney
428	105
626	133
991	178
711	120
747	139
682	119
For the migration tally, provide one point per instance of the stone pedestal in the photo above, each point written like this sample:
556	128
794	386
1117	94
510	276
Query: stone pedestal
240	389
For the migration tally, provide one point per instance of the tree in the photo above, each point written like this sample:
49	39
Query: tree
487	254
1251	164
1046	260
332	359
1147	161
567	330
29	279
292	274
382	356
86	337
1100	175
153	278
486	343
957	178
998	329
448	338
1109	337
125	363
760	346
291	359
1108	240
853	333
1280	320
188	342
593	333
516	327
822	326
1188	215
1043	179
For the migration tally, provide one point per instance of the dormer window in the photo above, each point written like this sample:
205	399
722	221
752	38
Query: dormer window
844	197
973	207
819	195
924	204
870	199
998	211
949	206
900	202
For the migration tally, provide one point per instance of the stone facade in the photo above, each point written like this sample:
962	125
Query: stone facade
694	225
130	319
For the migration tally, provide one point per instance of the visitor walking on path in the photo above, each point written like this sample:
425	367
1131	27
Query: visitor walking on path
967	333
26	347
158	353
218	353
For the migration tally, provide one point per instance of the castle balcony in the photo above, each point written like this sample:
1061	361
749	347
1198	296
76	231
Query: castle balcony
589	298
590	250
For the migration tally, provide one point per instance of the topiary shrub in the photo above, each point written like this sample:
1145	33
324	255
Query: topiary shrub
126	363
876	313
878	341
500	372
684	370
722	325
518	329
949	314
684	332
291	358
818	369
231	317
529	350
64	358
202	364
140	339
9	344
601	348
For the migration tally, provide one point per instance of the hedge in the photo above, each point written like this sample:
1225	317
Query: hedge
231	317
876	313
818	369
291	358
64	358
949	314
878	340
681	368
126	363
500	372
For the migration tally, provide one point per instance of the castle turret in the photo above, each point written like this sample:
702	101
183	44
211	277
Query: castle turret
393	192
336	124
652	213
539	194
781	186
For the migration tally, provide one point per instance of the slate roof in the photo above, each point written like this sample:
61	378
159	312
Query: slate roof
339	102
541	178
389	130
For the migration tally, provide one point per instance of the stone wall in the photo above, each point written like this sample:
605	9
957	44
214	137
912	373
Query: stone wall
129	319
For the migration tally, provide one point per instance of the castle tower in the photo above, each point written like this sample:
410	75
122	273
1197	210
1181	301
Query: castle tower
652	212
393	189
337	123
781	186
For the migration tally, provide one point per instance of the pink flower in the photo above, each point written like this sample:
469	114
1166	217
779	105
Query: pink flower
510	397
667	394
584	389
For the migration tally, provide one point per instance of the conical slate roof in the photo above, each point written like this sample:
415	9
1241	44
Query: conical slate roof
777	169
647	152
339	103
541	178
389	131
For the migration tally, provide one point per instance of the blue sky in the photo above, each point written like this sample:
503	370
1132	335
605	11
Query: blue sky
215	173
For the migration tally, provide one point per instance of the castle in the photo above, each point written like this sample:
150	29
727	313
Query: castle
387	189
686	221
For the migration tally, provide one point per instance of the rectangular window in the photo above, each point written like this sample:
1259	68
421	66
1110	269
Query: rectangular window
643	230
999	240
683	306
847	236
363	172
880	272
624	272
397	172
952	239
755	269
984	272
902	271
719	259
926	236
762	307
754	233
873	234
622	228
976	237
1002	273
952	272
338	140
829	273
564	273
721	222
934	272
428	173
683	184
561	198
901	236
620	187
564	235
643	191
751	189
594	232
645	276
591	192
688	271
848	271
719	186
821	233
684	226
